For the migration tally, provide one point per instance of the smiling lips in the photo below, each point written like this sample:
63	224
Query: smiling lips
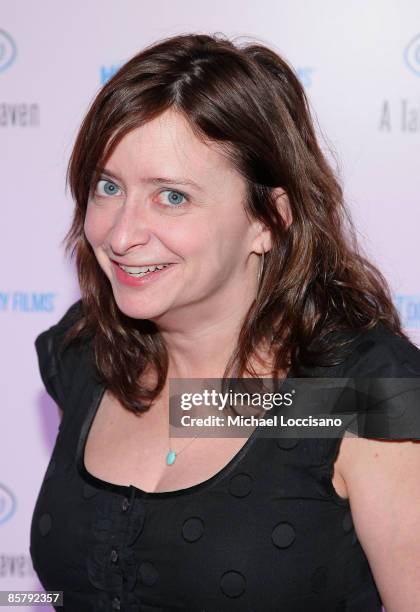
142	270
137	275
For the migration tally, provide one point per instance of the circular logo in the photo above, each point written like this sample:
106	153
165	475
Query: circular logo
7	50
412	55
7	504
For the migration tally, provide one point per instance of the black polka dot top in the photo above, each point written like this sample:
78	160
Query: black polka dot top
268	533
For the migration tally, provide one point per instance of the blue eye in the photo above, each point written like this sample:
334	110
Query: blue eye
175	201
106	187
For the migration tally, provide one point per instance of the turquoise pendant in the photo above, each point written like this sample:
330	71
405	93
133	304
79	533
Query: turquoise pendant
170	457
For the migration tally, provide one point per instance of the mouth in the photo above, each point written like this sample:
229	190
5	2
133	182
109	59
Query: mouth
140	271
138	275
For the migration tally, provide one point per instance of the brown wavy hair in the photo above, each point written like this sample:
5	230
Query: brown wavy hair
315	281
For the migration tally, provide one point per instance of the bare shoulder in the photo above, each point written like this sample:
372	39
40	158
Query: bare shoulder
383	487
360	461
344	457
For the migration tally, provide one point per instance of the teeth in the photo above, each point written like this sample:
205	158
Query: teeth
137	270
142	270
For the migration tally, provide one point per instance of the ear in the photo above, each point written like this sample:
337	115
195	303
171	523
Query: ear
263	240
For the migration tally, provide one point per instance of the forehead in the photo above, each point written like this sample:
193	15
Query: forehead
167	146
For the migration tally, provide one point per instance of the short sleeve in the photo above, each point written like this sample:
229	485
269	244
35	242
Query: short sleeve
55	367
385	371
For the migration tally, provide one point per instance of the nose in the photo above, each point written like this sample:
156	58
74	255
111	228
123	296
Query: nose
131	227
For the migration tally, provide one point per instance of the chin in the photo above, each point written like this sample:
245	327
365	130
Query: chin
133	307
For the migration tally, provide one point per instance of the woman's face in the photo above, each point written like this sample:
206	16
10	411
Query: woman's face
145	212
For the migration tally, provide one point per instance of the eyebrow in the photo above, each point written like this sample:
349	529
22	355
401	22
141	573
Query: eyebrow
156	180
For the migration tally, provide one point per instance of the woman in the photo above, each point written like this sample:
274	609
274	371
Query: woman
212	240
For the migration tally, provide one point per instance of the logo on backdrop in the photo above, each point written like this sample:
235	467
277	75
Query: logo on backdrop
412	55
305	75
403	115
22	114
26	302
409	309
16	566
107	72
19	114
7	504
7	50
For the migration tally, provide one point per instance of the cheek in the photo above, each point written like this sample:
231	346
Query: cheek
189	239
214	242
95	227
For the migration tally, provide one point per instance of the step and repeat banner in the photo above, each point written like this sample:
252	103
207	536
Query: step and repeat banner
360	65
